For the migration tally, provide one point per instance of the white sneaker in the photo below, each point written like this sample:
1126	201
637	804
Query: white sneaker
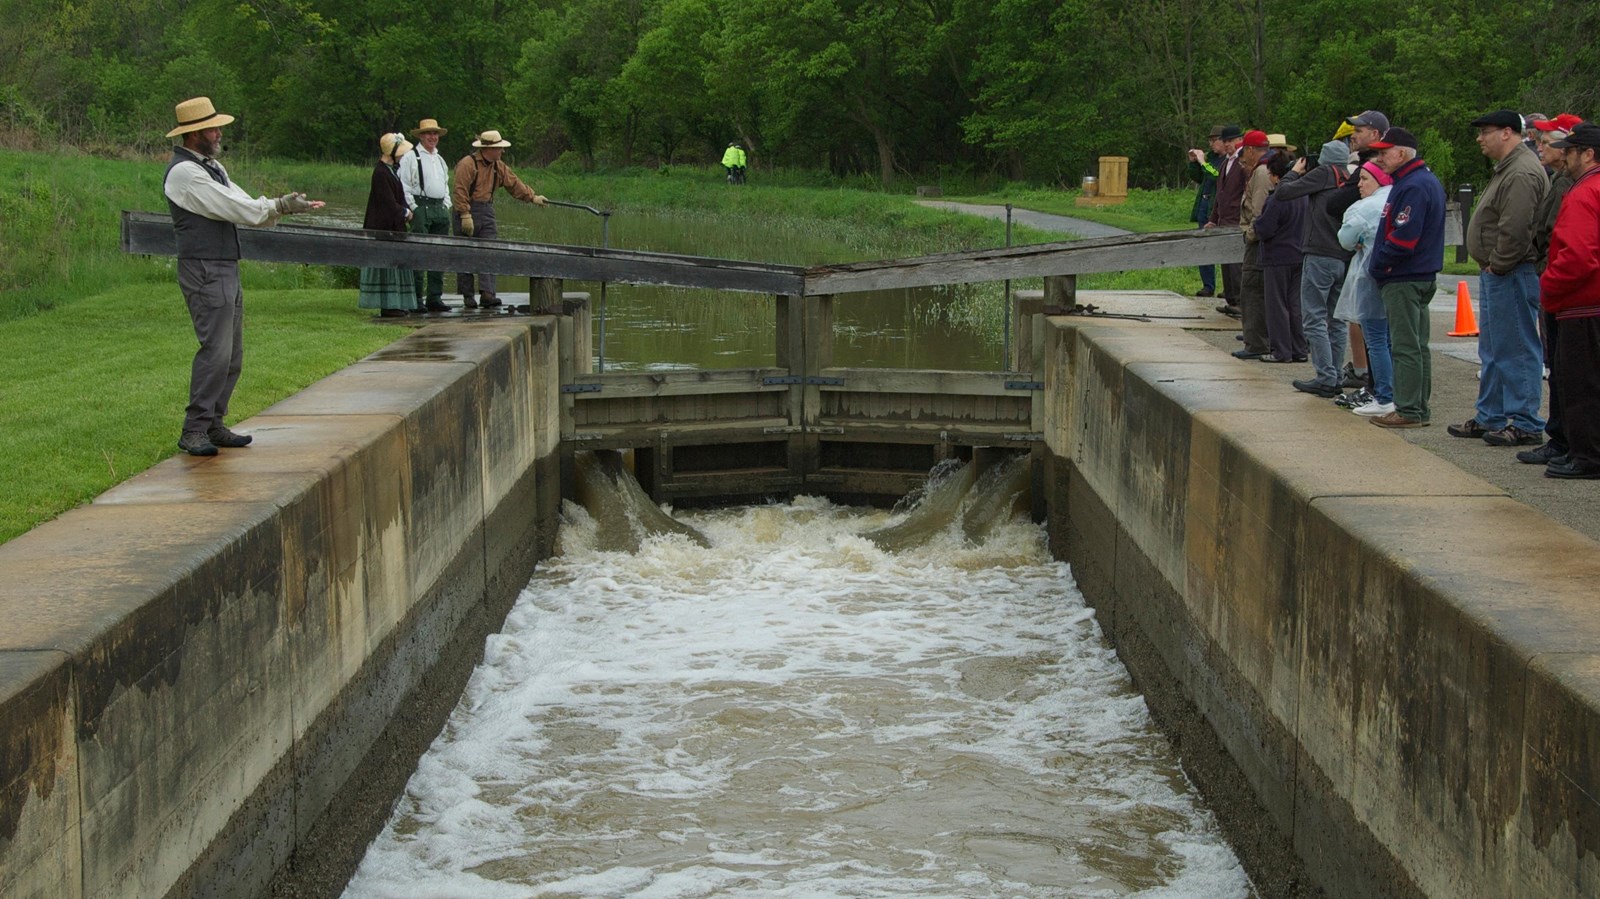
1374	409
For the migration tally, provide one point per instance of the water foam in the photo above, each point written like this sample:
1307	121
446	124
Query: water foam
796	712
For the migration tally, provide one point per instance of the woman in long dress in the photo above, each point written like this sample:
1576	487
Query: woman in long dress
387	289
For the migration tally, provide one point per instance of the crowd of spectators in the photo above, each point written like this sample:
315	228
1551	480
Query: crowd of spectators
1343	248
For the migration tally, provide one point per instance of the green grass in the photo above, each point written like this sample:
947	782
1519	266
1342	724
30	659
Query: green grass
95	395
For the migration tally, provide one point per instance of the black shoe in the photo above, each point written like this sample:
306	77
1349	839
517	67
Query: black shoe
1511	435
1542	455
1326	391
227	439
393	313
467	302
1205	292
490	301
1297	359
1247	354
435	304
1469	428
1268	357
1226	309
197	445
1570	471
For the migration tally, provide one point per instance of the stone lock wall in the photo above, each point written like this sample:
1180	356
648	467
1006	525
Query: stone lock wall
1390	667
193	665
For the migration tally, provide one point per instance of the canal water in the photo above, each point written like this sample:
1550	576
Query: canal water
795	711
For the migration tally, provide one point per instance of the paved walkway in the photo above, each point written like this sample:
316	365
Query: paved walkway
1044	221
1575	504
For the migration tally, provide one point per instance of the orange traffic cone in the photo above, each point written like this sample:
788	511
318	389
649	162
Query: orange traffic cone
1466	322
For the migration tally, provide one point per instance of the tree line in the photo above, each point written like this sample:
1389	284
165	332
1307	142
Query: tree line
891	90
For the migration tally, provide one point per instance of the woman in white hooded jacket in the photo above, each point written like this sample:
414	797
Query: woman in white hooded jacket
1359	300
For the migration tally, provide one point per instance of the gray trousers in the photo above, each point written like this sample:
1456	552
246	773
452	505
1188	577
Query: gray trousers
1252	301
216	306
482	226
1320	282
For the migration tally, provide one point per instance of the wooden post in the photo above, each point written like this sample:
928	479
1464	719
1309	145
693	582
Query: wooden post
1464	200
1024	309
817	335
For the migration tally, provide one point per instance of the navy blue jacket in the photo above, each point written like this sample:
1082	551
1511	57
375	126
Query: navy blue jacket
1410	244
1281	226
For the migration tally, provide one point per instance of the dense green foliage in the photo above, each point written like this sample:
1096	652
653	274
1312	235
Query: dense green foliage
955	91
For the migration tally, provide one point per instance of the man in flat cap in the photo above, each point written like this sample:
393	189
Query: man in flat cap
206	209
426	178
1500	240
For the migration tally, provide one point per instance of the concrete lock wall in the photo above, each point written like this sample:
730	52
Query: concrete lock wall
1396	666
193	665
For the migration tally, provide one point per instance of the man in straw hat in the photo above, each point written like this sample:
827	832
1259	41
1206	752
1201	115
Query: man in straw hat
472	205
426	177
206	209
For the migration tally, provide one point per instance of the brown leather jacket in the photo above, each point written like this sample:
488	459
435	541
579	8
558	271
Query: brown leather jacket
476	179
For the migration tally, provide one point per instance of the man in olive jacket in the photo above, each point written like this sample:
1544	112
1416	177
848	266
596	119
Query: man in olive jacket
1500	239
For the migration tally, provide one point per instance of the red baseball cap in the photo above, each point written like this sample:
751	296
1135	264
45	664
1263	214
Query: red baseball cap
1563	122
1255	139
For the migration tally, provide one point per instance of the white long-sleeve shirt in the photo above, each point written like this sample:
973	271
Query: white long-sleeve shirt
192	188
424	174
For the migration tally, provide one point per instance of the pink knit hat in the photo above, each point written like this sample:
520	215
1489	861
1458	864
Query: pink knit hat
1378	175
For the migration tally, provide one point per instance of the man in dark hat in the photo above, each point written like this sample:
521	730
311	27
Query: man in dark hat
1500	240
1203	169
1406	259
1231	178
206	209
1570	290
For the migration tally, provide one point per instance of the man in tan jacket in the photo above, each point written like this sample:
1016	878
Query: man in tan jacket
1500	239
1252	291
472	207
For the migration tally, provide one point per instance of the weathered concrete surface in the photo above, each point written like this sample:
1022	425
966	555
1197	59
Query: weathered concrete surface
1393	663
196	664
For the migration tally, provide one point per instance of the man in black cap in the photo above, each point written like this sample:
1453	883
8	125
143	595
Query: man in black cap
1406	259
1500	239
1570	290
1231	179
1203	169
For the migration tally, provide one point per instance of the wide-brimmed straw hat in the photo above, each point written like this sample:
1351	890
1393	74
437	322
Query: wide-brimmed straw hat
490	139
1280	142
394	144
198	114
427	125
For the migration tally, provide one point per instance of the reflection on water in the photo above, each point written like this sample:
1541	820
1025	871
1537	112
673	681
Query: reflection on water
793	711
658	327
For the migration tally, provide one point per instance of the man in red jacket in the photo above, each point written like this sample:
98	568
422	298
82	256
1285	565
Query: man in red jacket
1570	291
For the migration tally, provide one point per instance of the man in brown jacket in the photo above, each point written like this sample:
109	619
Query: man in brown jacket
472	206
1225	209
1500	240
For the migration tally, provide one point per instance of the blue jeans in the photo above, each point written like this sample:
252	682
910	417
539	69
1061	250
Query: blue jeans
1208	273
1379	363
1509	347
1321	277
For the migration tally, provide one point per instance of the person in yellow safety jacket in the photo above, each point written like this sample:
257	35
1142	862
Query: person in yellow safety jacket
733	159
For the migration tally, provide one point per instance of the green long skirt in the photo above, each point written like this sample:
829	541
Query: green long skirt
387	288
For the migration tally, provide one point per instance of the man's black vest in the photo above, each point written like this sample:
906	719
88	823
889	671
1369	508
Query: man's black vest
200	237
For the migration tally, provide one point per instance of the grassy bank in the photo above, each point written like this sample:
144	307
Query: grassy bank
95	345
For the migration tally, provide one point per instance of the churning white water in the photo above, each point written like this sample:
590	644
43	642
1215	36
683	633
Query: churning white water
796	712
